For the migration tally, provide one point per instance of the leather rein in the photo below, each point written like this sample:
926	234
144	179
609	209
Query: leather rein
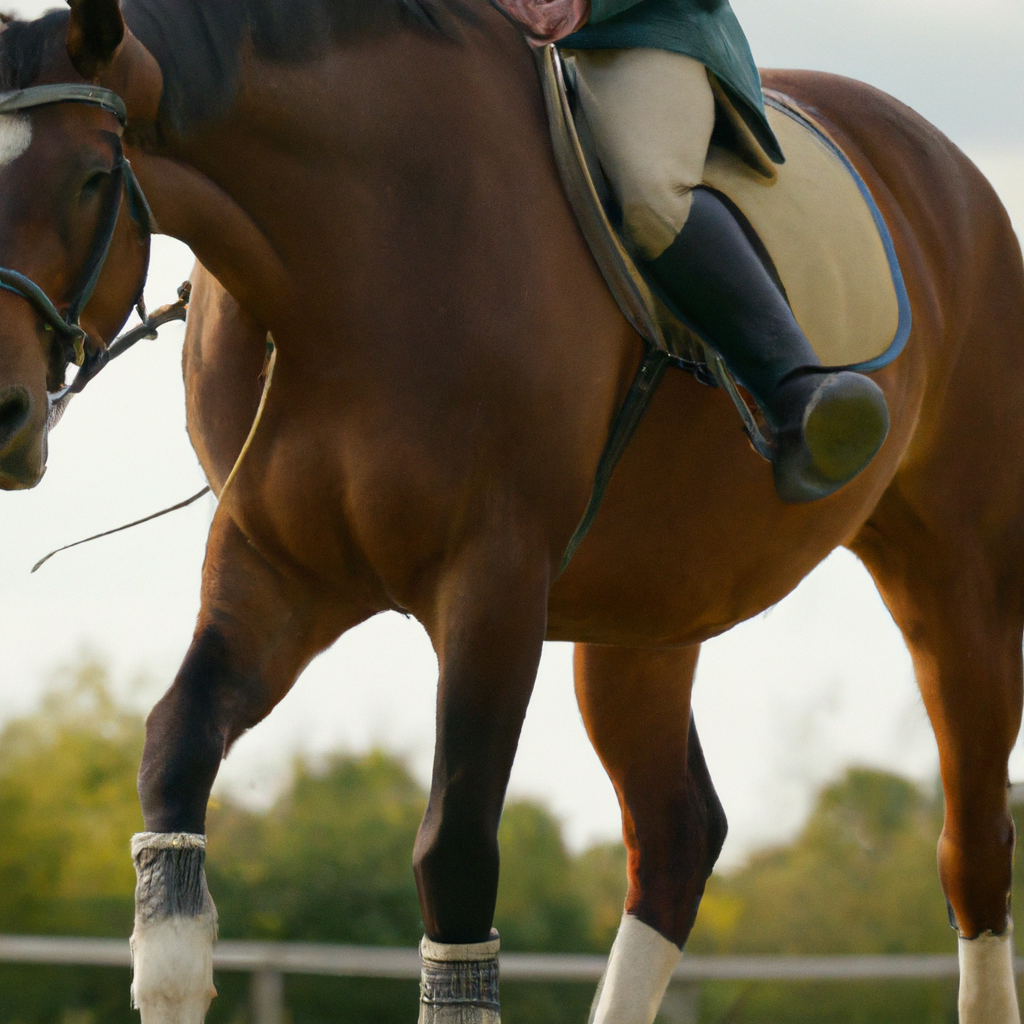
66	325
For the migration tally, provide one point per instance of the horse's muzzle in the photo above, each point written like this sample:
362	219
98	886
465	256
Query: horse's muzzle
22	441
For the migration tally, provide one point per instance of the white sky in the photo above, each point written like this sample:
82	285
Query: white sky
783	702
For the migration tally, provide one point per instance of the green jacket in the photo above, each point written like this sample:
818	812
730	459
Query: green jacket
706	30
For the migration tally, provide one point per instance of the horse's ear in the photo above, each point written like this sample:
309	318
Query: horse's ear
95	32
105	51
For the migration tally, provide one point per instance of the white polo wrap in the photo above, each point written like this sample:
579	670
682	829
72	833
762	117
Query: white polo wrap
639	969
175	927
987	991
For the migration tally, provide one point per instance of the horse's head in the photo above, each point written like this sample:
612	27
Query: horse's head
74	231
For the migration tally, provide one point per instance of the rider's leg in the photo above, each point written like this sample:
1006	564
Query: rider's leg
828	426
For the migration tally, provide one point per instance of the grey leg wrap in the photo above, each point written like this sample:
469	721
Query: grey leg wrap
170	876
459	983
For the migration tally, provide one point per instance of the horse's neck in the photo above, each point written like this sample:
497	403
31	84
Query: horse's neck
371	143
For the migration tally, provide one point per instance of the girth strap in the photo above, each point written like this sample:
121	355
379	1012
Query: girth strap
648	376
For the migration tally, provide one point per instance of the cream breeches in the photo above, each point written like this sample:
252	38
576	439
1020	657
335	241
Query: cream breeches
651	113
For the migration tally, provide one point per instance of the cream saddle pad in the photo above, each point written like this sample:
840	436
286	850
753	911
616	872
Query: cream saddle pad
819	226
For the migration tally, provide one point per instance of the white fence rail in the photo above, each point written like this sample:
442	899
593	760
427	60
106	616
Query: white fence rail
268	962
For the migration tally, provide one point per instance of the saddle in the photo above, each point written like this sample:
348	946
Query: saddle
822	237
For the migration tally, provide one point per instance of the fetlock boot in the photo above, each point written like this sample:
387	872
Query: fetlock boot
827	425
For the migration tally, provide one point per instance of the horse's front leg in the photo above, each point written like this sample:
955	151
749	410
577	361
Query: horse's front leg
254	634
488	628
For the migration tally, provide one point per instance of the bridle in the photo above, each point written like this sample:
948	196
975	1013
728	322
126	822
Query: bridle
66	325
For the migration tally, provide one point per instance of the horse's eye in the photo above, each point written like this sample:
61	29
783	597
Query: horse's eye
94	183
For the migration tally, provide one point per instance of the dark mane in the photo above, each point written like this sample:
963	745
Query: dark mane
25	46
197	42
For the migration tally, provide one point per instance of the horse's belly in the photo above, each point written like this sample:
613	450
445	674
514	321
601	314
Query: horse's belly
691	538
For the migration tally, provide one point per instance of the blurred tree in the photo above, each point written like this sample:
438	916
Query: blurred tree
860	878
329	862
69	807
538	906
599	878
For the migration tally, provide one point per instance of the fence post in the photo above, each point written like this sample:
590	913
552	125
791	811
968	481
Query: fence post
266	996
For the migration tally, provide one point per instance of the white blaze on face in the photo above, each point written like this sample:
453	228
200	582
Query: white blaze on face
15	136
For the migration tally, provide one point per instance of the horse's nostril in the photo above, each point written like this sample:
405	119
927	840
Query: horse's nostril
15	405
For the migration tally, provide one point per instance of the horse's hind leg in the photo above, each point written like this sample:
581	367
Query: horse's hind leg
251	640
958	601
636	707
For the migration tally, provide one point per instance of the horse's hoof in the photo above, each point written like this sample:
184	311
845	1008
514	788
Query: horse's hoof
843	423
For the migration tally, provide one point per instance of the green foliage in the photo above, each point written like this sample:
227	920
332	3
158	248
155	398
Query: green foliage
69	807
599	877
330	861
899	1002
860	878
538	908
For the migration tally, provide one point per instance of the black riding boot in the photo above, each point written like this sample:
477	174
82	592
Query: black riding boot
827	425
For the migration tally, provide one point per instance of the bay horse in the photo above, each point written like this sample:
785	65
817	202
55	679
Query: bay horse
370	184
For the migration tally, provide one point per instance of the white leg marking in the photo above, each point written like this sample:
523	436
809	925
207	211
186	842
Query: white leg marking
987	991
15	136
172	962
639	968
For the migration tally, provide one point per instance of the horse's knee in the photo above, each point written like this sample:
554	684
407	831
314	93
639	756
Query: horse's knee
177	770
455	862
674	839
188	733
976	870
706	805
677	837
670	860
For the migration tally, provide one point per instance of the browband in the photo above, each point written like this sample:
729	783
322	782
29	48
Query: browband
64	92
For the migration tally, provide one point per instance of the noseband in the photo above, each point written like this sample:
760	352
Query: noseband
66	325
